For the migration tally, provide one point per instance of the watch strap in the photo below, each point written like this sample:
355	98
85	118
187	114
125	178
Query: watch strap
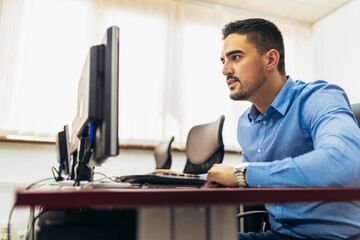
240	174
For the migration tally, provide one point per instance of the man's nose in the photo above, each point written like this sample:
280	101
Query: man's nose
227	69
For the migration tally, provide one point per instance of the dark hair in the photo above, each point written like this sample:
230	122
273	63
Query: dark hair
262	33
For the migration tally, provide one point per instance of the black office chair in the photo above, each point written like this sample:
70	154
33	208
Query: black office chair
356	237
356	110
256	218
162	154
204	147
256	215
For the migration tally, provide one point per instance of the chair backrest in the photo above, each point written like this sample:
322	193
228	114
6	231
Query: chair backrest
204	147
162	154
356	110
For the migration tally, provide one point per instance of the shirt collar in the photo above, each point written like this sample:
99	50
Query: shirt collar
282	100
254	113
280	103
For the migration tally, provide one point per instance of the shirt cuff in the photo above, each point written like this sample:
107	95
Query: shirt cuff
257	174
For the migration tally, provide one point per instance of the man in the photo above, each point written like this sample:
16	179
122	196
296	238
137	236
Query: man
294	134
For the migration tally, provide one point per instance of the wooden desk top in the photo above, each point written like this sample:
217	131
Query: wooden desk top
180	196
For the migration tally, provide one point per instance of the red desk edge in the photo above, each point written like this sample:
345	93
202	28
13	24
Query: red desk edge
180	196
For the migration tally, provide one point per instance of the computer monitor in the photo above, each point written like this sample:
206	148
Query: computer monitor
62	151
73	146
106	134
96	121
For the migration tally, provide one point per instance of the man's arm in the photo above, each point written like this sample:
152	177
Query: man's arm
335	159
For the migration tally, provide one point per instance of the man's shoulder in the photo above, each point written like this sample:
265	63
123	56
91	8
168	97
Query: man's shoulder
318	93
318	98
316	86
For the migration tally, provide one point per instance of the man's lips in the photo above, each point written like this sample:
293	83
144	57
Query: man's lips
231	79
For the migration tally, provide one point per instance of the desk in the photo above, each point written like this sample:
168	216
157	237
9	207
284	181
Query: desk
181	196
181	213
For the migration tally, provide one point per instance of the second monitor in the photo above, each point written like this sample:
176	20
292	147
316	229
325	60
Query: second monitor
96	121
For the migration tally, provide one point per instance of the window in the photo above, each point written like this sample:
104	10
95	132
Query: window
170	73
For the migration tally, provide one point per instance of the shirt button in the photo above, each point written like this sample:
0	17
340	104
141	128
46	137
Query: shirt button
264	122
259	150
285	224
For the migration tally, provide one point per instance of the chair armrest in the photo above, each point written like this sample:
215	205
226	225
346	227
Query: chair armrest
244	214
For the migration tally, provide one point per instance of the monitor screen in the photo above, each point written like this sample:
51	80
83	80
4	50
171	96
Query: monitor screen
96	122
63	151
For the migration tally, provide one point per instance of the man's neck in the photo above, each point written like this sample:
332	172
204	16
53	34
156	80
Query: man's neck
263	98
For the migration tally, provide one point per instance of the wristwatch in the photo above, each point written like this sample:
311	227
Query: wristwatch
239	171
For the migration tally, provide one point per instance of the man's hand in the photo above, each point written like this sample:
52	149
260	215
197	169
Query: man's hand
221	175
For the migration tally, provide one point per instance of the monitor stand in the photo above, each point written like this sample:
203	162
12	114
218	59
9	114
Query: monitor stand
82	170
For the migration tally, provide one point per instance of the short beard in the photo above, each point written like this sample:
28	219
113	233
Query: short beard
242	95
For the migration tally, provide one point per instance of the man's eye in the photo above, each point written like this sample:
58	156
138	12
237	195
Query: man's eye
235	57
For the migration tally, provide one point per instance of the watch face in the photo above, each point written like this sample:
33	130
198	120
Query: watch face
241	166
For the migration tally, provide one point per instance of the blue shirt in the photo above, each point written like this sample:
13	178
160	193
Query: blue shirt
307	137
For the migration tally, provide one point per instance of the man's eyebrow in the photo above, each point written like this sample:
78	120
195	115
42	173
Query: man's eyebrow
228	54
233	52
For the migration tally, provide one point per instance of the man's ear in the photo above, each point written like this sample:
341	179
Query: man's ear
273	58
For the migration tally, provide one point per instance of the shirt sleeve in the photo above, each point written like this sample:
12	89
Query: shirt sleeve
335	159
203	176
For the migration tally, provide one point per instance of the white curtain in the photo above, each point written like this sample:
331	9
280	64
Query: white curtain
170	70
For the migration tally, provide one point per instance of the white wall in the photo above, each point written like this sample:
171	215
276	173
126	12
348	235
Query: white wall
336	41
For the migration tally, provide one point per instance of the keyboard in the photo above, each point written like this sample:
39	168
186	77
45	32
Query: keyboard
163	179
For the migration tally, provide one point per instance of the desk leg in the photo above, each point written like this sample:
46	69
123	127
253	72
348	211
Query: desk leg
223	223
187	223
154	223
190	223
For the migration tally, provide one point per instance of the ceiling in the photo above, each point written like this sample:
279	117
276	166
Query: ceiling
301	11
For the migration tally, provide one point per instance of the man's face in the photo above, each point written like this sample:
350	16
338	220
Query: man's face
244	67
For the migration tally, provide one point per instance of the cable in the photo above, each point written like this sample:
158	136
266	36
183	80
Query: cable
100	174
110	178
29	226
34	220
32	211
92	129
98	180
32	208
32	184
59	177
9	220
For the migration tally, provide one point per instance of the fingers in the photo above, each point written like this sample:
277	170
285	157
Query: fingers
161	170
221	175
215	165
212	185
169	171
165	171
